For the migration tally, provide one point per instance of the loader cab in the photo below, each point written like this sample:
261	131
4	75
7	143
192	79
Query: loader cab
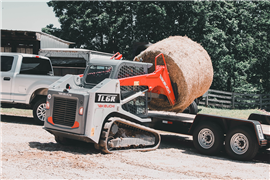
96	71
95	74
99	69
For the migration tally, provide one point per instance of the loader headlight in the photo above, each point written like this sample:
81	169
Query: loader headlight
81	111
47	105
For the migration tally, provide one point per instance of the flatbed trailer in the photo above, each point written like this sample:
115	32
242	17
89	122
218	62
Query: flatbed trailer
108	107
242	138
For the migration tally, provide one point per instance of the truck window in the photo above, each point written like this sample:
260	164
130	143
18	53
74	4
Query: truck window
96	74
35	66
6	63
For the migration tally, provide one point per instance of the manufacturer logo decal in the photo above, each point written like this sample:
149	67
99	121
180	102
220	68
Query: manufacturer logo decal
64	94
105	106
107	98
136	83
165	84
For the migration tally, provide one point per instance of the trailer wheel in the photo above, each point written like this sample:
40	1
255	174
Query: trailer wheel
39	111
241	144
208	138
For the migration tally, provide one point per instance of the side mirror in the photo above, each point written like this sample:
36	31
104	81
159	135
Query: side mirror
77	80
50	73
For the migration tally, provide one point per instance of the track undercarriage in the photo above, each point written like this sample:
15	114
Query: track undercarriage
119	135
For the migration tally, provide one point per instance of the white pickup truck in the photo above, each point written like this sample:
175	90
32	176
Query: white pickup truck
25	79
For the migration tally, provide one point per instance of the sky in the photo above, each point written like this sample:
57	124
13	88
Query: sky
31	15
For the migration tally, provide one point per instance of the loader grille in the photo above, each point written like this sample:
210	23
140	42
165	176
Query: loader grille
64	111
138	105
129	71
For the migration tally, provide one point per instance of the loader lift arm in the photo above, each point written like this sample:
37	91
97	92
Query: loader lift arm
158	82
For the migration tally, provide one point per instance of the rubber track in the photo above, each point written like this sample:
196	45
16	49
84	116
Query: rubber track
106	130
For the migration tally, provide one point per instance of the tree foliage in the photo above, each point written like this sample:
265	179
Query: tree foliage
234	33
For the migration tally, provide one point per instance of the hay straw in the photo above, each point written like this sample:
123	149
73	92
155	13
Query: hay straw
190	70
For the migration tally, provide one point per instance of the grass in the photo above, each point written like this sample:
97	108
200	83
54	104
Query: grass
234	113
16	112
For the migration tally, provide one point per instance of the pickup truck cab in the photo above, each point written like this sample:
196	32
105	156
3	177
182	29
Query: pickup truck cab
25	79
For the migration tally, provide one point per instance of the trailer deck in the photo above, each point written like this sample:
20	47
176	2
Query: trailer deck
171	122
266	132
266	129
181	123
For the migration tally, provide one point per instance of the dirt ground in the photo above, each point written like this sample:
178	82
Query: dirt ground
29	152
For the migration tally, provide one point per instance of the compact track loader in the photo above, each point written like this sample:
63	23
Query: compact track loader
107	105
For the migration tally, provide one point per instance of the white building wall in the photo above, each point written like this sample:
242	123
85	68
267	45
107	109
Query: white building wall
48	41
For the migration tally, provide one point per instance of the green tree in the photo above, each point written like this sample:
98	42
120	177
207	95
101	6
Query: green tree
114	26
96	25
258	27
234	33
230	37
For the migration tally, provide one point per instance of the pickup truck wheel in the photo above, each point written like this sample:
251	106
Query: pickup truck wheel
241	144
39	111
208	138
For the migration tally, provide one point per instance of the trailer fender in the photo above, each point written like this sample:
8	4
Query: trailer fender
263	118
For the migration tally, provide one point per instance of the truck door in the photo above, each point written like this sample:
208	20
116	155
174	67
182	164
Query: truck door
6	76
32	70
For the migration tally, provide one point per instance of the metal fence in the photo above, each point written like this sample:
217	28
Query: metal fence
233	100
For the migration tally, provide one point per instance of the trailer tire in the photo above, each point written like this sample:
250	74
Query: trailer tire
241	144
208	138
39	111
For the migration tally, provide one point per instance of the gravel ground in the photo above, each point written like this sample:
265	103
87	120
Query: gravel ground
29	152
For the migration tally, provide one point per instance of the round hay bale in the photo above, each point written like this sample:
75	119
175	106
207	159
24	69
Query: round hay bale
190	70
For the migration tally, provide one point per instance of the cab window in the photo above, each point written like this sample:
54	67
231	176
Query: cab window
6	63
36	66
97	73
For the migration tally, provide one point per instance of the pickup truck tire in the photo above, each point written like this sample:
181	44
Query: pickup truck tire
241	144
39	111
208	138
